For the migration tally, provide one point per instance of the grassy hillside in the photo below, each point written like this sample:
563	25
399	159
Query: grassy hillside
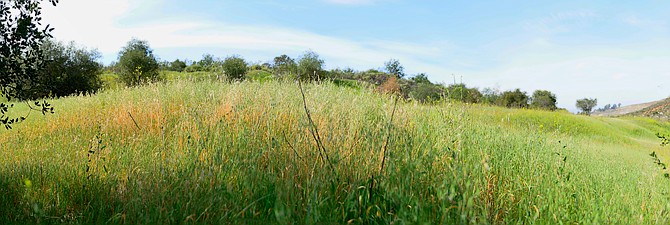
213	153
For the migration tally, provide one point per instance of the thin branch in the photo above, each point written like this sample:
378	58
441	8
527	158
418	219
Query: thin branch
388	136
323	153
131	117
290	145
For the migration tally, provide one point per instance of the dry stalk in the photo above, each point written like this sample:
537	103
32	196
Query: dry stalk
131	117
323	153
388	136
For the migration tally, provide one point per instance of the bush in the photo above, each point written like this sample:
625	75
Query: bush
374	77
514	99
462	93
284	66
235	67
543	100
390	86
66	70
491	96
348	74
207	62
177	66
193	68
138	64
310	66
259	75
393	67
426	92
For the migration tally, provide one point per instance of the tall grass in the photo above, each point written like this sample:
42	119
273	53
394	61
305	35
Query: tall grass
209	152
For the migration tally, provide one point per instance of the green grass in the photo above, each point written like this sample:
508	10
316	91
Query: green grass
214	152
259	75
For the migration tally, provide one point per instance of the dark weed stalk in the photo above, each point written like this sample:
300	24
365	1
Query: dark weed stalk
323	153
131	117
385	148
388	136
561	173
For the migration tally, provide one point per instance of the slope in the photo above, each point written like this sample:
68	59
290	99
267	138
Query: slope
218	153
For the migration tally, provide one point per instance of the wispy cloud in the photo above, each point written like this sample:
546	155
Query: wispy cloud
530	60
627	74
102	30
560	22
645	23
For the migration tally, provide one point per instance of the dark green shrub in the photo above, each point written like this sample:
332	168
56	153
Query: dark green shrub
514	99
194	68
235	67
177	65
462	93
310	66
426	92
543	99
138	64
66	70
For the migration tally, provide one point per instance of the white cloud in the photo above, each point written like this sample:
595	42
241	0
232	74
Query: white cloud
603	72
95	24
560	22
609	77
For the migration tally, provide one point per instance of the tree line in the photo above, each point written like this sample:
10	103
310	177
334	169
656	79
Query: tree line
34	66
70	69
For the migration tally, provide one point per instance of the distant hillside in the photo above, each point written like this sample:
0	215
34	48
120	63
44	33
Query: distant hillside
624	110
659	109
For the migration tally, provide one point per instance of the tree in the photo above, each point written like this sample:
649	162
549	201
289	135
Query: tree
421	79
310	66
207	62
137	63
393	67
462	93
426	92
284	65
20	53
194	68
543	99
491	96
514	99
177	65
67	70
587	105
235	67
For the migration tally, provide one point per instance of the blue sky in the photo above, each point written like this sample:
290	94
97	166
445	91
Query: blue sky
616	52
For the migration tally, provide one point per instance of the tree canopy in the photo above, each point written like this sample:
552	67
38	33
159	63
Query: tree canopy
310	66
393	67
235	67
514	99
543	99
21	57
138	63
587	105
68	69
284	65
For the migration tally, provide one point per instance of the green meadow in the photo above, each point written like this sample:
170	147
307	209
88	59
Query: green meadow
202	152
